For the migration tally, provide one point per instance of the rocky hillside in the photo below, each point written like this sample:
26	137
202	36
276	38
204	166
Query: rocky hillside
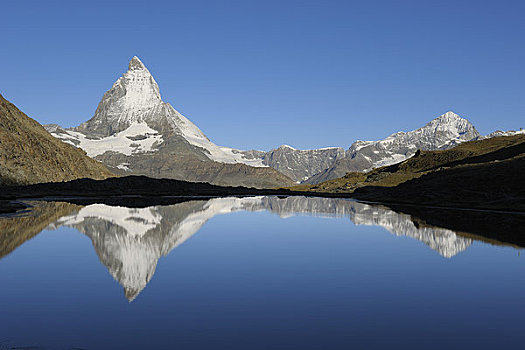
29	154
298	164
178	165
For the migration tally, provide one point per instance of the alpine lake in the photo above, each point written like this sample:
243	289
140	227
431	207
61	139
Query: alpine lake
260	273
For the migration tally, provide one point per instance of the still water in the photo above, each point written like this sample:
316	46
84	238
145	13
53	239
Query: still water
253	273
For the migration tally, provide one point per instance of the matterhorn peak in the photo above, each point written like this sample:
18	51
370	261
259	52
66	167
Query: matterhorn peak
451	114
136	63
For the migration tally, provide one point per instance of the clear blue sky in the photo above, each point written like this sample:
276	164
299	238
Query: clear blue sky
257	74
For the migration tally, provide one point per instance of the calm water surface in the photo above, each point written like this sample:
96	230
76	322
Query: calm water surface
253	273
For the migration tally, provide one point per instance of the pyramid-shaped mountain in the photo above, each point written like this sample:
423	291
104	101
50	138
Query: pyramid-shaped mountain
134	131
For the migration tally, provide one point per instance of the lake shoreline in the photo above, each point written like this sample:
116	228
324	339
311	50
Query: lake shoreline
143	191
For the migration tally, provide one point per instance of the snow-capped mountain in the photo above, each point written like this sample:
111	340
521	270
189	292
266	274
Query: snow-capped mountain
444	132
317	165
135	131
499	133
130	241
131	117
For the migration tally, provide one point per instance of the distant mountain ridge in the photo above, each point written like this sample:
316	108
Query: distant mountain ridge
318	165
499	133
443	132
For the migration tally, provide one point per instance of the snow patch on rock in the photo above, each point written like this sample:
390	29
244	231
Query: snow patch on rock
137	138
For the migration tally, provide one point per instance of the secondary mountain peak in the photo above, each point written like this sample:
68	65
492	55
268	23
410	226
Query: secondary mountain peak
451	126
450	114
136	63
287	147
448	117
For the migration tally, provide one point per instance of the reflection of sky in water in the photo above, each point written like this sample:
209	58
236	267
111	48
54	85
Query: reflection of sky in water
254	280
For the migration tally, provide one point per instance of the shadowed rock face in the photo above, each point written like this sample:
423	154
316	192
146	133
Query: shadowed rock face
130	241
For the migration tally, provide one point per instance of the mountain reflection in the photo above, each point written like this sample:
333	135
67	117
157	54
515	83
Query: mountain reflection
130	241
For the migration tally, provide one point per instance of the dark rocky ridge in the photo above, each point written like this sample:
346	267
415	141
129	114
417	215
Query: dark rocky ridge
134	186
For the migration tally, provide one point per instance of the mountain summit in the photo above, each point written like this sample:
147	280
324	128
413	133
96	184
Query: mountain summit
136	63
133	98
